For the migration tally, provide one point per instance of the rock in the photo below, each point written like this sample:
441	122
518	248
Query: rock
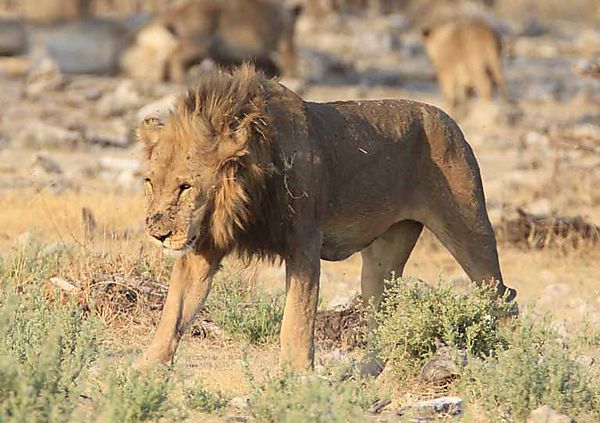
435	408
532	27
239	402
13	38
378	406
445	364
44	76
343	302
40	135
90	46
125	97
63	284
146	58
46	163
113	133
545	414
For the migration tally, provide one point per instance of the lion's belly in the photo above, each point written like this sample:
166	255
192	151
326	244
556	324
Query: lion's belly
343	237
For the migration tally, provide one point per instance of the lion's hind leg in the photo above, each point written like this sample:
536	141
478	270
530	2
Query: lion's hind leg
388	253
467	233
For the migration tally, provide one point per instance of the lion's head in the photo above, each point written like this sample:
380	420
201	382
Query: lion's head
206	163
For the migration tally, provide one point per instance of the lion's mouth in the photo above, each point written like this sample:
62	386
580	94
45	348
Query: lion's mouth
179	244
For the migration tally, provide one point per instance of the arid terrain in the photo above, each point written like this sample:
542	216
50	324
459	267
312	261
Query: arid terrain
70	180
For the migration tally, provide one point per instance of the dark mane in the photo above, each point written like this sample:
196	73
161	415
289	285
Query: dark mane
249	209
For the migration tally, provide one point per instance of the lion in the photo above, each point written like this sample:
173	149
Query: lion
228	32
244	166
466	55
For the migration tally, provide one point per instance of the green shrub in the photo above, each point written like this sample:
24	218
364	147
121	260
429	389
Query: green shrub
414	316
287	396
135	397
294	398
534	370
245	311
45	349
199	398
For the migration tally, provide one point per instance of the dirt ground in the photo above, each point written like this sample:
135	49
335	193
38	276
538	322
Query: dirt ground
530	153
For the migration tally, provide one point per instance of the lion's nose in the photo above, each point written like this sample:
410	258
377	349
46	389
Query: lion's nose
162	237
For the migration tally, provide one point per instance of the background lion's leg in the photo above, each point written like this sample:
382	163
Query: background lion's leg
297	328
388	253
190	283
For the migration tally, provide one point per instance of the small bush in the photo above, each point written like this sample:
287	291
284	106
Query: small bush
246	311
334	396
135	397
199	398
45	349
414	316
293	398
534	370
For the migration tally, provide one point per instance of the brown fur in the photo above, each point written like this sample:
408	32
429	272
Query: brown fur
228	32
466	55
243	164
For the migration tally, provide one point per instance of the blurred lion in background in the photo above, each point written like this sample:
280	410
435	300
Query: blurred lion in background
466	55
228	32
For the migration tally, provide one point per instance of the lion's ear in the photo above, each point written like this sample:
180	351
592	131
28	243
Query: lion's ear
148	132
240	134
234	145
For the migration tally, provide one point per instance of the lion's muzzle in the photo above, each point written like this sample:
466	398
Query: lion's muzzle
157	227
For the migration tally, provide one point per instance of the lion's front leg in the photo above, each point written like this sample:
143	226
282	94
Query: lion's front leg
190	283
297	329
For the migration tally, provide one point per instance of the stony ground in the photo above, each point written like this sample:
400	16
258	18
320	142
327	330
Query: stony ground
66	143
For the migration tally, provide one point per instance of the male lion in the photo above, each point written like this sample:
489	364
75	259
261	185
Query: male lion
243	165
466	55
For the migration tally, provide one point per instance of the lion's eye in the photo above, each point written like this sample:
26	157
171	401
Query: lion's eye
147	180
184	187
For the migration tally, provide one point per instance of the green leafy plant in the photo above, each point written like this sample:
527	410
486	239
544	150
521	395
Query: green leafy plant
414	317
535	369
246	311
199	398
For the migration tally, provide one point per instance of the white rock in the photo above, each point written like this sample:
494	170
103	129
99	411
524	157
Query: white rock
89	46
126	96
448	406
240	402
44	76
545	414
13	38
40	135
111	134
